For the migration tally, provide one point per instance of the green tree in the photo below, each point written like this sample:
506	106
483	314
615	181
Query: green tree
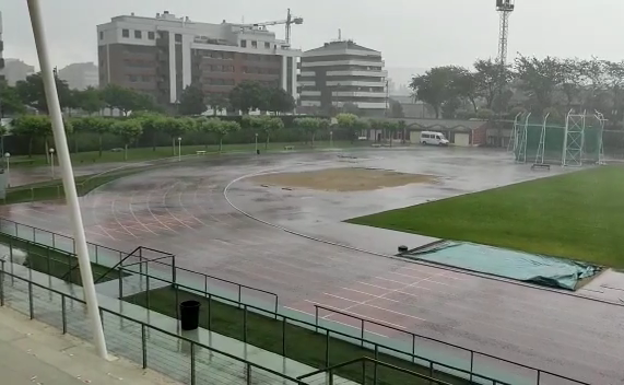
222	129
279	101
349	123
247	96
192	100
309	126
127	100
151	123
438	88
466	86
95	124
489	76
208	126
391	128
268	125
89	100
175	128
539	79
30	127
10	103
129	130
32	93
396	109
217	102
359	126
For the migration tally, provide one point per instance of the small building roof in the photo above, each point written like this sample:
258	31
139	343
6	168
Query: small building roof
341	45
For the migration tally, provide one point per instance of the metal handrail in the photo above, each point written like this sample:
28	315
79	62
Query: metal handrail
115	266
414	335
326	331
192	343
365	359
315	325
121	254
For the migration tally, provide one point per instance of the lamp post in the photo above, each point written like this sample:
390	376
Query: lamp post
256	143
179	149
7	156
331	138
52	161
67	174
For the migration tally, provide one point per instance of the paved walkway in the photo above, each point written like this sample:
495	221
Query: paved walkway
34	353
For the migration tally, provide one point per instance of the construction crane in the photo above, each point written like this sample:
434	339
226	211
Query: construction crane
504	8
290	20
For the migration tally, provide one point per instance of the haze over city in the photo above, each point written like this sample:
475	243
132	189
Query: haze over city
412	36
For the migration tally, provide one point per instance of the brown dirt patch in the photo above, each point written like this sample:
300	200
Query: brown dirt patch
342	179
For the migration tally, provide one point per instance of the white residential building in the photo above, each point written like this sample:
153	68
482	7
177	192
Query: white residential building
342	72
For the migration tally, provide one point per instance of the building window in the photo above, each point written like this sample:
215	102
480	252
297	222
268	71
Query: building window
146	78
228	82
267	45
254	44
228	68
228	55
133	78
125	33
244	43
151	35
178	38
101	35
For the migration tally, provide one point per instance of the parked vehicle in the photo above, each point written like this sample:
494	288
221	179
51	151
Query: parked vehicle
433	138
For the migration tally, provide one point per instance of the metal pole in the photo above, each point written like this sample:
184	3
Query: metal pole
143	346
256	142
60	140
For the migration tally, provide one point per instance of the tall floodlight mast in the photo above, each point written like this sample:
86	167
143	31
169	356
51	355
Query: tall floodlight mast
504	8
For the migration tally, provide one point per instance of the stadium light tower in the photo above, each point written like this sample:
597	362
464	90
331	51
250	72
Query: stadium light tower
504	8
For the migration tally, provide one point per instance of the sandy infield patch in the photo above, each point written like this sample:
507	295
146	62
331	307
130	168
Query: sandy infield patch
342	179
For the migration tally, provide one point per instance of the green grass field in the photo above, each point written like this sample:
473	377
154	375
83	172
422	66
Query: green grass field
53	262
578	215
147	153
302	345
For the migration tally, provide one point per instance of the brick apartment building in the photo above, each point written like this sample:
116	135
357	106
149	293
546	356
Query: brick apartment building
164	54
1	50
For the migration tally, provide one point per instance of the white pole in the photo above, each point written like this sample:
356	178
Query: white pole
52	161
8	160
256	142
179	149
67	175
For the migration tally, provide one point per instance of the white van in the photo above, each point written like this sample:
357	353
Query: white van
433	138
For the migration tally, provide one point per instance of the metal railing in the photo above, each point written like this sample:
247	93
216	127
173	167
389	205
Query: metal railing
109	257
176	356
280	333
362	321
435	366
328	375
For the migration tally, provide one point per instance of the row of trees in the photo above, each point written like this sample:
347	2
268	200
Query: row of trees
29	94
532	84
246	96
130	129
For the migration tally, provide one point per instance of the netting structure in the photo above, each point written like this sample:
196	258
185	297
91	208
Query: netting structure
541	141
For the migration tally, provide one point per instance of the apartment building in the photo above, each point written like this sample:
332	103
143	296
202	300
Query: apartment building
164	54
343	72
2	77
80	76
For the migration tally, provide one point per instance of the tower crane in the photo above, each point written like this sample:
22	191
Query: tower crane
290	20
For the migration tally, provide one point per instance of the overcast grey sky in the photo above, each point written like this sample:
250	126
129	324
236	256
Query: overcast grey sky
410	33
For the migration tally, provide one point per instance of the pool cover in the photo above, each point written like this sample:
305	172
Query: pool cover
539	269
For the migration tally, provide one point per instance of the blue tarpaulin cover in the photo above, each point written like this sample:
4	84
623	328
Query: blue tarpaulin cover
535	268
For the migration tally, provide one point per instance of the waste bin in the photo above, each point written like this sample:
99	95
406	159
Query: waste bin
189	315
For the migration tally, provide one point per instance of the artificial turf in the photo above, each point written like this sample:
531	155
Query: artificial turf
577	215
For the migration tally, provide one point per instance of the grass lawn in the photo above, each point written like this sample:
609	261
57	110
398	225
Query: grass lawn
578	215
302	345
54	262
147	153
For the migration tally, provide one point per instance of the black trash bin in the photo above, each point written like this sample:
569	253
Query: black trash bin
189	315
